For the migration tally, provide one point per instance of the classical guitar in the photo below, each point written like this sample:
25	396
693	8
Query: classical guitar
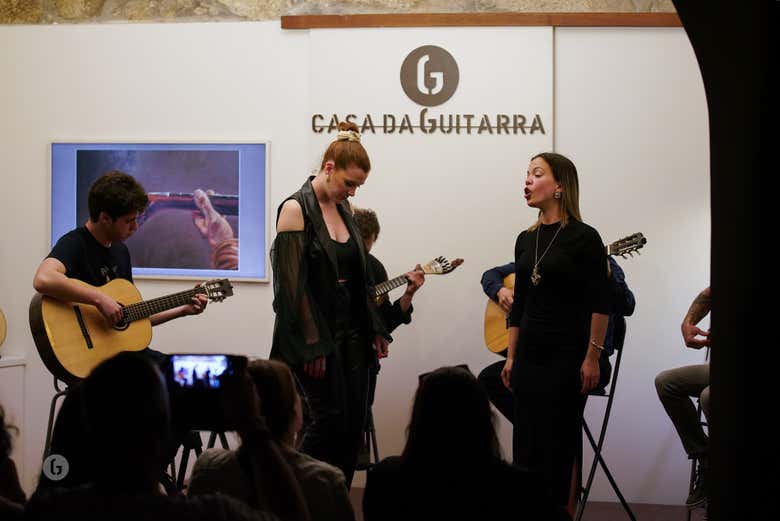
438	266
73	338
497	320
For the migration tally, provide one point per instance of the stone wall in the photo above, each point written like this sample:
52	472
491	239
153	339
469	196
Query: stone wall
101	11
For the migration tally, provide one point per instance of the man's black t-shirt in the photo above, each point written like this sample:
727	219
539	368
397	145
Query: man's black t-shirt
89	261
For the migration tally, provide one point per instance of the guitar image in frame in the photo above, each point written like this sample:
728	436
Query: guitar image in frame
73	338
438	266
497	320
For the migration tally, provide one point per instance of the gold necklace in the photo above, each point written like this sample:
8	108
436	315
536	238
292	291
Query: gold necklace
536	278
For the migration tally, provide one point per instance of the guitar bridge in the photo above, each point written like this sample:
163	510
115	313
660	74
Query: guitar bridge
83	327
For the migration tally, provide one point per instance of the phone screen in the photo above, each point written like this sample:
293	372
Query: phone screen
198	371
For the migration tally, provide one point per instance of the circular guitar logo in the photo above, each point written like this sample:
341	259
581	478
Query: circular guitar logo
429	75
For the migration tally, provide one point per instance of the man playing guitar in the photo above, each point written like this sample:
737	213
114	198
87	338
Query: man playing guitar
95	253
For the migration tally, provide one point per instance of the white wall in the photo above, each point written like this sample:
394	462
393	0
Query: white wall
631	113
629	110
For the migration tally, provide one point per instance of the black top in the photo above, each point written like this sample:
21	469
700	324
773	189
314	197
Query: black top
349	274
573	284
621	298
89	261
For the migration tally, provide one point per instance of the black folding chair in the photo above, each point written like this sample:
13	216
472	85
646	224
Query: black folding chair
619	337
59	392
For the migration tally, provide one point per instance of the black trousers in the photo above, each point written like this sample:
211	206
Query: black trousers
338	404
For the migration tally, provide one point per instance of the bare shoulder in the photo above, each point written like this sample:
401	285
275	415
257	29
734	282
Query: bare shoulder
290	217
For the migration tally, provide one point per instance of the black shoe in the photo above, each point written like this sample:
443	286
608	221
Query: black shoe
698	496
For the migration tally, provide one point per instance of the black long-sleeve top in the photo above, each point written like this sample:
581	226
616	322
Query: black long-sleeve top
392	314
573	284
622	300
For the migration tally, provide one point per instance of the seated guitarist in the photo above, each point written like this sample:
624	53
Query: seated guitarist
400	311
96	254
622	302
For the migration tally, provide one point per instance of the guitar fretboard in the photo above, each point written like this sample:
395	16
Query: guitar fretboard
389	285
148	308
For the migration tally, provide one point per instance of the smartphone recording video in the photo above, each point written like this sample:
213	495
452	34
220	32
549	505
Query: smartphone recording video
197	383
198	371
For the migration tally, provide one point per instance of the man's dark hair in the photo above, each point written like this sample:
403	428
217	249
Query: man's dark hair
117	194
367	223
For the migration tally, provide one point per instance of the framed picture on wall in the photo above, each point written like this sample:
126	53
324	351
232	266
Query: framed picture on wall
189	186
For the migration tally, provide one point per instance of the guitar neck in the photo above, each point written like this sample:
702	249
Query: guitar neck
389	285
147	308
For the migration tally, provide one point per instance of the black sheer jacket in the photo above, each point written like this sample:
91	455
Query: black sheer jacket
308	299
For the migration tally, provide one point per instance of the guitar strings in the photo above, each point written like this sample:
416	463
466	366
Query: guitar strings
148	308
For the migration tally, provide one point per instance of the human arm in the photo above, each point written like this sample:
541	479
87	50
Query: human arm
196	306
300	336
622	298
515	313
50	280
589	370
493	285
596	271
400	311
698	310
506	372
415	278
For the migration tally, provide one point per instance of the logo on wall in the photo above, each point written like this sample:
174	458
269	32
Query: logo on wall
429	75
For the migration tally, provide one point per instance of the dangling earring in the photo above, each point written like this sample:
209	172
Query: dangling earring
557	195
327	178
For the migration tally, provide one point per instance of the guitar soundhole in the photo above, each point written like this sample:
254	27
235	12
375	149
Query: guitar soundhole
121	326
123	322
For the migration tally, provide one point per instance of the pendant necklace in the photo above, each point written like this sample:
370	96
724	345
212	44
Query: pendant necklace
536	278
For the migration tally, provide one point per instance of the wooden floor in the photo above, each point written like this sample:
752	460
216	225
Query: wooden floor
597	511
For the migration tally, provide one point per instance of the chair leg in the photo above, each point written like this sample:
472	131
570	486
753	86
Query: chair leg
372	435
192	442
213	440
185	456
600	460
690	487
52	409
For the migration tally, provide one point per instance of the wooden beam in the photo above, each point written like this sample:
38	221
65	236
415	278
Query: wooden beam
330	21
